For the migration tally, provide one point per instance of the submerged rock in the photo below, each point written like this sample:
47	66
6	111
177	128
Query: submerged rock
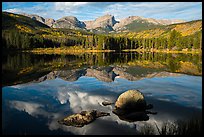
83	118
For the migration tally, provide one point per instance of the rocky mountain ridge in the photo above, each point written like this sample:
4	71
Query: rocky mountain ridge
106	22
126	21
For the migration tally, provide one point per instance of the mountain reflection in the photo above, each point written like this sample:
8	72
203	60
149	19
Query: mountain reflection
25	67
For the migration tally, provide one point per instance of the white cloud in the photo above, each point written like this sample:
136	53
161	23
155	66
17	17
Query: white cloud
63	6
14	10
92	10
159	10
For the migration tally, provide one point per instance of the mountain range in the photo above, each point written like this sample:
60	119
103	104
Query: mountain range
106	23
23	32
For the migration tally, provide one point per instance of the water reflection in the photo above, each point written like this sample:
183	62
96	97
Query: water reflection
51	100
33	109
25	67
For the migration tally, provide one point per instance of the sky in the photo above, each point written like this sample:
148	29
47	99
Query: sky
91	10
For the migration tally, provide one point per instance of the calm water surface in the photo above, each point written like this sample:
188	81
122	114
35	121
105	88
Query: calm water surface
35	107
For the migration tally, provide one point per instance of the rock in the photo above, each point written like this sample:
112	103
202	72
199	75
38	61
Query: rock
122	25
105	103
83	118
124	22
69	22
49	22
34	17
131	106
88	24
106	22
131	99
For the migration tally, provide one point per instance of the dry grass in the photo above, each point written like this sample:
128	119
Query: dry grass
181	127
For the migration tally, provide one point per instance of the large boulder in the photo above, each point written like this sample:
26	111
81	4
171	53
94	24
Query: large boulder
131	100
131	106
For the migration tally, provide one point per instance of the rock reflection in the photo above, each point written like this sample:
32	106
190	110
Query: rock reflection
136	116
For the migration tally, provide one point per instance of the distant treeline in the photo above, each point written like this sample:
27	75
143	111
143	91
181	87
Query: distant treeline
13	39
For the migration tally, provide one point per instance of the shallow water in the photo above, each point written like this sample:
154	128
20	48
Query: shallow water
34	108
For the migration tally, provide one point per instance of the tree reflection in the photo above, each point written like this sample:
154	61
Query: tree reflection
16	66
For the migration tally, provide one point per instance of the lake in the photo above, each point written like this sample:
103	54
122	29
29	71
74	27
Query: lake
38	90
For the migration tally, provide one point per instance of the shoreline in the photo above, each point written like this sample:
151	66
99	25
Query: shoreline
64	51
78	51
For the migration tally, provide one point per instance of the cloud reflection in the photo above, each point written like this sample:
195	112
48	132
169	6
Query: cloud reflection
33	109
70	97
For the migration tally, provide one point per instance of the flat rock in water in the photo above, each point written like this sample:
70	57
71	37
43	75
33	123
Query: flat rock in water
83	118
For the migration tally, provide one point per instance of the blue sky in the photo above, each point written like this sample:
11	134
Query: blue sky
91	10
